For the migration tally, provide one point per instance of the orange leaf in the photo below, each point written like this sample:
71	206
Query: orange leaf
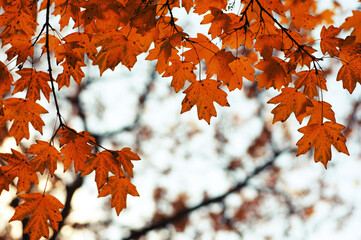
40	208
319	111
329	42
115	49
354	22
187	4
35	82
118	187
350	73
21	47
102	163
75	148
274	74
46	156
63	79
18	166
241	68
310	80
218	64
322	136
22	112
202	6
180	71
219	21
6	79
201	48
202	94
124	158
290	101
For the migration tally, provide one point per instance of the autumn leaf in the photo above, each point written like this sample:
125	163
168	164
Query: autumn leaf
329	41
219	21
46	156
322	136
274	74
202	94
22	112
75	147
290	101
35	82
311	81
241	68
319	111
115	49
119	188
41	209
6	79
354	22
124	158
181	72
18	166
349	73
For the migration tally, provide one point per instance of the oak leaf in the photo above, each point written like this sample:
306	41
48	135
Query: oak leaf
119	188
41	209
322	136
202	94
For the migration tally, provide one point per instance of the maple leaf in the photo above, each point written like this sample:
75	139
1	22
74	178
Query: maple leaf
75	147
218	64
35	82
202	94
21	47
219	21
274	74
187	4
354	22
301	17
46	156
349	73
201	48
241	68
63	79
181	72
310	80
124	158
202	6
102	163
18	166
119	188
319	111
22	112
329	42
6	79
40	208
117	48
290	101
322	136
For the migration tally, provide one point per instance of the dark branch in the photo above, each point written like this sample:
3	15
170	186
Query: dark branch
219	199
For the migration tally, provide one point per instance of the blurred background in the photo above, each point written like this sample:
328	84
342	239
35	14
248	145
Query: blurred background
237	178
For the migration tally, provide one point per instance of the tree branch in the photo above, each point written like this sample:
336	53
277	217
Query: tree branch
134	234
